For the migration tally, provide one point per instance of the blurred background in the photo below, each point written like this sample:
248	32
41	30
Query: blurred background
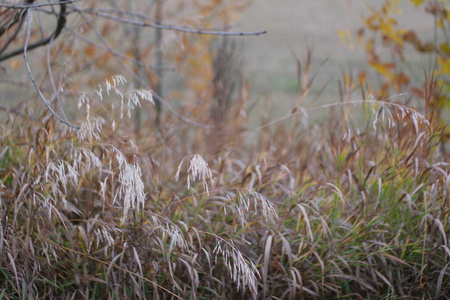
294	25
321	46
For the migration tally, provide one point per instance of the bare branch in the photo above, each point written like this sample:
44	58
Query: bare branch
16	6
59	27
165	26
142	16
16	18
6	27
25	57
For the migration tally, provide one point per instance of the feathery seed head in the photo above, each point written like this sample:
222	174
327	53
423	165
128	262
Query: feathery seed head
242	271
132	188
244	203
198	169
90	129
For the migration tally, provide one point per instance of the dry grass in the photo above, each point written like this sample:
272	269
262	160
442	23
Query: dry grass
286	211
202	205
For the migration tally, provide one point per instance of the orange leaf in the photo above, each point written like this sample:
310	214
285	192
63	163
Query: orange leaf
15	64
90	50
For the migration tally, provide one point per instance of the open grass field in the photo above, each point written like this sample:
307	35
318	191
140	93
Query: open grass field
295	25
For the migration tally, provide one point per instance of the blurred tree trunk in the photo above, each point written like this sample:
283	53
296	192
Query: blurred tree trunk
159	59
138	71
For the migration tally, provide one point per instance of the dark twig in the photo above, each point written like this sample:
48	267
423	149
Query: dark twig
16	6
16	32
16	18
59	27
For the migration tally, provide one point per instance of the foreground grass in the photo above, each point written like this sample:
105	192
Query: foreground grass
286	211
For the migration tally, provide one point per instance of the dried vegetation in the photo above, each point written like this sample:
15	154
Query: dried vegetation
351	206
289	210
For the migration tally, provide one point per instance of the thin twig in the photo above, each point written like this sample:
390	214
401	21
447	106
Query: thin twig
25	57
16	6
16	32
56	92
151	19
303	111
59	27
168	27
16	18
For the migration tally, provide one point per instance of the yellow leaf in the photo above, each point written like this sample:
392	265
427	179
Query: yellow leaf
417	2
346	38
445	48
383	69
445	65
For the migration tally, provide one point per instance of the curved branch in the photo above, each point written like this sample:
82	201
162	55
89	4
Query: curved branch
59	27
25	57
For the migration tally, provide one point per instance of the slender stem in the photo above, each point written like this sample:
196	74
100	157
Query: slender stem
25	57
16	6
169	27
303	111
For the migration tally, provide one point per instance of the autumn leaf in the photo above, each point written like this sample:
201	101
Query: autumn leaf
15	64
417	2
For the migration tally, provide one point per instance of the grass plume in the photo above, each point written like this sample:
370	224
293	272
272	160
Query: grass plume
338	209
